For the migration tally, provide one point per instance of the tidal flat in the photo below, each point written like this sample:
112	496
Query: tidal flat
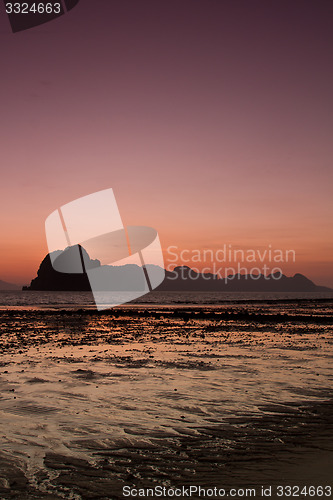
224	396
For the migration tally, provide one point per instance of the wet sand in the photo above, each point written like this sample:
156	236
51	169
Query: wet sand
92	402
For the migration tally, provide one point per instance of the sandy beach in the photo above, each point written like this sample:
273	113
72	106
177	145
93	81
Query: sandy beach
219	397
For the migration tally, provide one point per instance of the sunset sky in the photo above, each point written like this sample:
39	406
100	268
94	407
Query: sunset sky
210	119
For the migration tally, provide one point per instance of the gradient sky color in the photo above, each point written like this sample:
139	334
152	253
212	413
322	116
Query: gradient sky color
210	119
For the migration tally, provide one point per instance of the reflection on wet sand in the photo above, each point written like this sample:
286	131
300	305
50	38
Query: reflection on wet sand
91	402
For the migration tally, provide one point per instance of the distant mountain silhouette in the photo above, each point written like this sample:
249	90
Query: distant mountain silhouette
182	278
8	286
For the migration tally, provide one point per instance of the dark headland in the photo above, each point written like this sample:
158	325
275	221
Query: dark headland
182	278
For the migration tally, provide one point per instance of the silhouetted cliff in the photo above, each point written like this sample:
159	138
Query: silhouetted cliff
49	279
182	278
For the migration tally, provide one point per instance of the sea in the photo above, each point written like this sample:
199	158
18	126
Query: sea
72	300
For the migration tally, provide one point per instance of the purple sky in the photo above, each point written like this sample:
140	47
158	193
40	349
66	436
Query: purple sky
210	119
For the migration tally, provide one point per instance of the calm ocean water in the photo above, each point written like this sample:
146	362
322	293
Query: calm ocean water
73	300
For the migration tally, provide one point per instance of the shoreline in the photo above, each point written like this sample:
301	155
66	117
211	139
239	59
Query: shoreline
84	302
